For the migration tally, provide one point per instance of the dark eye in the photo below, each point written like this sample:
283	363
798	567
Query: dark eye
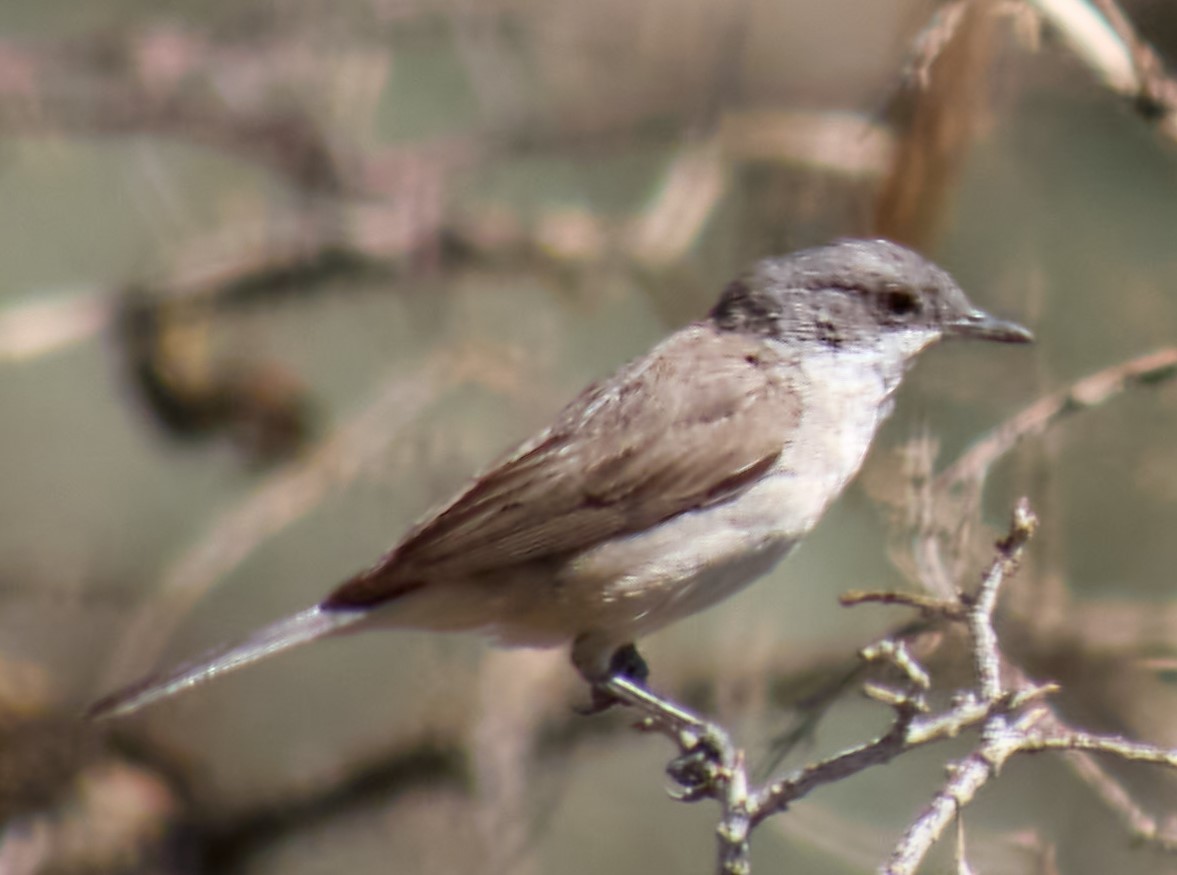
900	302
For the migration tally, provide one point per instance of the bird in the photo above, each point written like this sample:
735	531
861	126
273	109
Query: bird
662	489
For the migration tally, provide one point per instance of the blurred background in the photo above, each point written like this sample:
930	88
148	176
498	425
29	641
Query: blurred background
276	277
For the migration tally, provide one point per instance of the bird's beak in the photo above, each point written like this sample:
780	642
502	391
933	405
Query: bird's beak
979	324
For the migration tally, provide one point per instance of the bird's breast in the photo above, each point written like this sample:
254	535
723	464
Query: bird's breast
844	398
695	559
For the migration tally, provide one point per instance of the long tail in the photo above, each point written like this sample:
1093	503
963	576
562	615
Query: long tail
299	629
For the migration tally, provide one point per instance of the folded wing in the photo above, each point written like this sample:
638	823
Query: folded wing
692	424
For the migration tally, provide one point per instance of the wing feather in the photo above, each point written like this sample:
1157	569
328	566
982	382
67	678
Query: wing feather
626	454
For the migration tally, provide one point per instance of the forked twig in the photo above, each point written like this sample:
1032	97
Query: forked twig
1006	709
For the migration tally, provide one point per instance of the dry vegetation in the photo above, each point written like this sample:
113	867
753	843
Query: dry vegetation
724	121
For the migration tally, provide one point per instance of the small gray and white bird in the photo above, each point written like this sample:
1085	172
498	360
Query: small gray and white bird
664	488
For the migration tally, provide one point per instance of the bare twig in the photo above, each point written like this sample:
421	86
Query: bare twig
710	766
1004	707
928	606
1000	736
968	776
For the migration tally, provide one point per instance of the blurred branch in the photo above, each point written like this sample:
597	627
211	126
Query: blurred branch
1120	627
228	844
929	44
247	98
942	97
1093	40
283	498
68	803
371	237
46	324
1103	38
840	143
939	108
147	81
945	504
1133	818
193	393
1089	392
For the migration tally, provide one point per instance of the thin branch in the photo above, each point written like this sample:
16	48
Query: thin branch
928	606
1006	709
999	734
1091	391
968	776
1134	819
1134	751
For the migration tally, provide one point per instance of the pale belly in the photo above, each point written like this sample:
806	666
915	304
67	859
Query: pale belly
626	587
641	583
618	591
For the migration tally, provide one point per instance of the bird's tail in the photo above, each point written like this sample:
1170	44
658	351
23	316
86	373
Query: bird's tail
299	629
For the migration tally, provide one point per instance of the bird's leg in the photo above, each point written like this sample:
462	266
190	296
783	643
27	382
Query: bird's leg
626	663
707	751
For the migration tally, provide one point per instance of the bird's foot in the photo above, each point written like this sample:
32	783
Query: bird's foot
706	762
707	754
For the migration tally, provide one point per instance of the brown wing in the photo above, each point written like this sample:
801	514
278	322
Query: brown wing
693	423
